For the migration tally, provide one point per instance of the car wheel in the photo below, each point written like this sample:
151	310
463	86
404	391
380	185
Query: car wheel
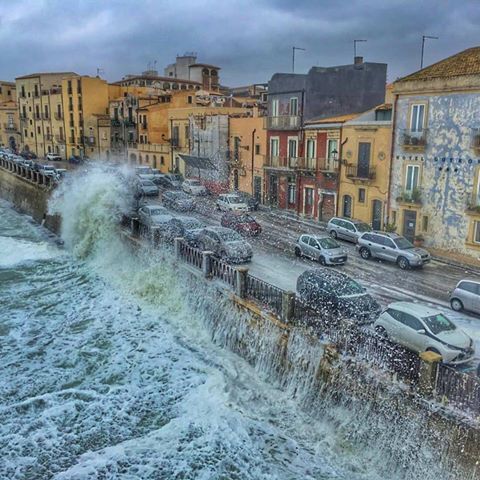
322	261
403	263
333	234
365	253
456	304
381	331
298	253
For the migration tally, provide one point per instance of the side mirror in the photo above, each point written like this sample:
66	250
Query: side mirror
421	331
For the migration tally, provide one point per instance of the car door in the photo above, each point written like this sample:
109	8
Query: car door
350	232
374	244
389	249
394	325
315	250
379	247
341	229
412	338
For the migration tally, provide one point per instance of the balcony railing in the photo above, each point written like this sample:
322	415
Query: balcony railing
360	172
60	139
283	122
413	139
413	196
89	140
48	137
45	116
129	123
288	163
10	127
328	165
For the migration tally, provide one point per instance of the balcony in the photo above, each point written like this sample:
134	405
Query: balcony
129	123
60	139
48	137
45	116
283	163
10	127
283	122
89	141
410	197
360	172
413	140
328	165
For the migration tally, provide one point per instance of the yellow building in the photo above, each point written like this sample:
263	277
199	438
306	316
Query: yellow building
9	125
7	92
365	166
248	145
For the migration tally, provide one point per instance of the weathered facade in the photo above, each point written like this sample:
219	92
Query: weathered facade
435	190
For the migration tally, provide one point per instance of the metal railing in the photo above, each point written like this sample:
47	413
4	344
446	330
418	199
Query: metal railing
191	255
361	172
10	127
413	139
283	122
328	165
458	388
269	296
223	271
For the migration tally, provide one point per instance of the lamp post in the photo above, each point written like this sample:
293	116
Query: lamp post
423	47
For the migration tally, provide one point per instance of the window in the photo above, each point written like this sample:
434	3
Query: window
292	193
469	287
383	115
274	112
413	172
190	99
310	148
416	121
388	243
292	147
476	232
257	149
162	160
175	136
38	130
394	217
294	106
361	195
36	90
274	147
309	197
425	223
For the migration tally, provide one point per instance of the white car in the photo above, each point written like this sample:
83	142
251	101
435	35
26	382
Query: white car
194	187
420	328
53	157
152	215
231	202
47	170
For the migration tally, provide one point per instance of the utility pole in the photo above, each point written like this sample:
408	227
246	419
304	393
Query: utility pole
355	48
423	47
293	56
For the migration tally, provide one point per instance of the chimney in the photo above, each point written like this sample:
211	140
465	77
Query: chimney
358	60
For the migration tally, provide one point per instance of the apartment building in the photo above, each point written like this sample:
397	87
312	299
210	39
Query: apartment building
7	92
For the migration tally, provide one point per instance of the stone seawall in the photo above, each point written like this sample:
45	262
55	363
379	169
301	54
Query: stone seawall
28	197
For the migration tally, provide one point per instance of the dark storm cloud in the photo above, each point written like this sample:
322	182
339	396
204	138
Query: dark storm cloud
249	39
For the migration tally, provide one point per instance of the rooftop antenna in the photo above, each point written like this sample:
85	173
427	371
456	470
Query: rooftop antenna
293	56
100	71
355	48
423	47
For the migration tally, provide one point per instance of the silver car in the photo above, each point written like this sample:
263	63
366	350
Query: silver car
466	296
393	248
226	244
347	228
152	215
325	250
147	188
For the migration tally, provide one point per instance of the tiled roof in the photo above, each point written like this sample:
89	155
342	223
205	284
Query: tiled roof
155	78
33	75
10	84
460	64
336	119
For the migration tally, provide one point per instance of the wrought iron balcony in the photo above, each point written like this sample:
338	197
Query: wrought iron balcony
285	163
10	127
328	165
116	122
413	139
129	123
359	172
283	122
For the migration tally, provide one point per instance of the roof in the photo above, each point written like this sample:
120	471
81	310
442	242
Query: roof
10	84
203	65
33	75
384	106
336	119
198	162
460	64
155	77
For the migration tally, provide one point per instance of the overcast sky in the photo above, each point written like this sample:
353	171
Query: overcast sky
249	39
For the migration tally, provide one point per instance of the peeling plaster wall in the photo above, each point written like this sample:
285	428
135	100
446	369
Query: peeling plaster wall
448	167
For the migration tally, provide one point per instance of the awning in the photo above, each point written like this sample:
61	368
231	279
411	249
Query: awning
203	163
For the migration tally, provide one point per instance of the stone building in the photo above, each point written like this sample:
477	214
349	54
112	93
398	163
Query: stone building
435	187
9	119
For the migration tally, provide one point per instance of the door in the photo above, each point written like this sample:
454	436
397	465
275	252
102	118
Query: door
363	159
377	215
389	250
273	190
347	206
409	224
308	199
313	249
235	179
257	188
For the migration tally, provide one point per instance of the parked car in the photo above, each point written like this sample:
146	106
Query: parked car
147	188
231	201
47	170
171	180
187	227
157	176
421	328
178	200
193	187
393	248
335	293
466	296
226	244
28	163
76	159
27	155
241	222
324	249
347	228
250	200
53	157
148	214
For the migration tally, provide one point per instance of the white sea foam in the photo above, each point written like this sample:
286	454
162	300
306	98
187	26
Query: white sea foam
14	251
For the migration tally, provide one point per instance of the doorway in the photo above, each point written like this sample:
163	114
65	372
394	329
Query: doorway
347	206
273	190
235	179
257	188
409	224
377	214
363	159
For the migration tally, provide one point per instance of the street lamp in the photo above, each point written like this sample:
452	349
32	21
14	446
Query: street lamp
423	47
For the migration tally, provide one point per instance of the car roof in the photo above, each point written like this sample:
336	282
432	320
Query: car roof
334	275
386	234
352	220
315	236
416	309
151	207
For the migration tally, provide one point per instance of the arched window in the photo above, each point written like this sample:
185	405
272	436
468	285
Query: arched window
154	161
347	206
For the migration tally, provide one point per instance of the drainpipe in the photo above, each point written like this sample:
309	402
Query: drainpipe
253	155
394	121
340	161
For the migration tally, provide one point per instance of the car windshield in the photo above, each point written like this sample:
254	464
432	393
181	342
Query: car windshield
147	183
174	178
363	227
234	199
402	243
328	243
348	287
439	323
157	211
190	224
46	167
229	236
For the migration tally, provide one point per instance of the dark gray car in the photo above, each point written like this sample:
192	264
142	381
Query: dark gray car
347	228
226	244
392	248
187	227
